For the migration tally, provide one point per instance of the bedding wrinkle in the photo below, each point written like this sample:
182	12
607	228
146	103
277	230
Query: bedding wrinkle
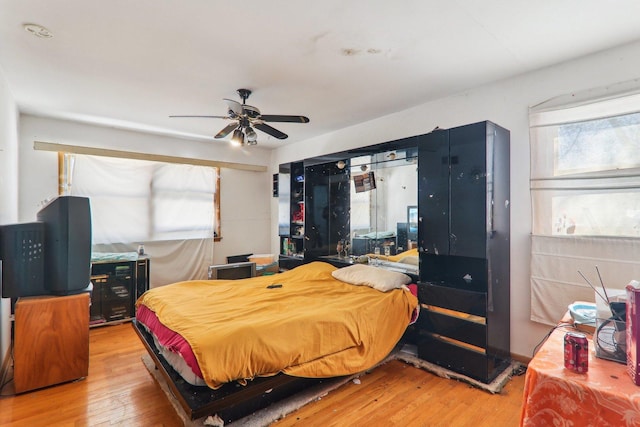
312	326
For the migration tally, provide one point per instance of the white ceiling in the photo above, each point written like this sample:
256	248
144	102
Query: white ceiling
132	63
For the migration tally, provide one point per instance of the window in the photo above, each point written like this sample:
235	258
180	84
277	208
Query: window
171	208
585	196
142	201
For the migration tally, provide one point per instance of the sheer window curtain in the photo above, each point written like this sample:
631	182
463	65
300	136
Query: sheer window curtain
585	196
169	208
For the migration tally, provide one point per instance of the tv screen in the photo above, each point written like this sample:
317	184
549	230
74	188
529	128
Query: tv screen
22	256
232	271
67	262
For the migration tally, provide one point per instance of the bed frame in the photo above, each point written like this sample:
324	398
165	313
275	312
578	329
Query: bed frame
230	402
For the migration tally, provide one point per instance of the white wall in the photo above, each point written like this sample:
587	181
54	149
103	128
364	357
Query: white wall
8	189
505	103
245	204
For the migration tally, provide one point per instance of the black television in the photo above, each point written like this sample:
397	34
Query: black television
67	247
22	256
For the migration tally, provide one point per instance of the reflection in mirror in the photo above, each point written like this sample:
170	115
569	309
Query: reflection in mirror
384	196
284	200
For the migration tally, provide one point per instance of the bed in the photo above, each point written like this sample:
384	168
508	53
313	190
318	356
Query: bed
266	333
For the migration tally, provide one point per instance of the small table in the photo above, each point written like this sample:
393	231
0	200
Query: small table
553	395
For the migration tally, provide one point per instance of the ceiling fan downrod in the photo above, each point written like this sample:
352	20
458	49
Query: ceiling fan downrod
244	94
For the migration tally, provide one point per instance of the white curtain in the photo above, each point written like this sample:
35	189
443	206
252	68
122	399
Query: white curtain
556	264
585	196
168	208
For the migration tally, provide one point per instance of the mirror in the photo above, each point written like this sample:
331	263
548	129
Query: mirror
383	202
354	202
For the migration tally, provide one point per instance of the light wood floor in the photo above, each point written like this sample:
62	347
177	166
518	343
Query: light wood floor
119	391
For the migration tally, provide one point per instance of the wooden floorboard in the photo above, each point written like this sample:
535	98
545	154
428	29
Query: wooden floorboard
397	394
120	392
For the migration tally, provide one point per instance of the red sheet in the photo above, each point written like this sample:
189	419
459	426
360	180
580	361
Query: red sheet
168	338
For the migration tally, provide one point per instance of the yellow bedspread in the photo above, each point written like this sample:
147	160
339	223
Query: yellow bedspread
311	326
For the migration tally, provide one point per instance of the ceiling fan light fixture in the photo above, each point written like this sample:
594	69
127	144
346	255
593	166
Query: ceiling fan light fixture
237	138
252	137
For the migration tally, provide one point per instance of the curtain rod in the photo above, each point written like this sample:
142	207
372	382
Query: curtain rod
76	149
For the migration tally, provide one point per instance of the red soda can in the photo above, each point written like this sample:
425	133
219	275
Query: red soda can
576	352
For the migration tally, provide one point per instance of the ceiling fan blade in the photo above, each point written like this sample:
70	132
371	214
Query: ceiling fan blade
226	131
206	117
251	111
271	131
234	106
281	118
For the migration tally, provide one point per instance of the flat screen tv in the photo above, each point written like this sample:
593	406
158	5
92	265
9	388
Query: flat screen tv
22	256
67	248
232	271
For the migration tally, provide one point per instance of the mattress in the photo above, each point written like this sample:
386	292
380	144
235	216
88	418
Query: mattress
302	323
173	347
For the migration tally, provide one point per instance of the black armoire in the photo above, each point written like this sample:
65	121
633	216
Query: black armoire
463	240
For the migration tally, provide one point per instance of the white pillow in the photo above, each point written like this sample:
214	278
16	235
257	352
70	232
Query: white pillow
375	277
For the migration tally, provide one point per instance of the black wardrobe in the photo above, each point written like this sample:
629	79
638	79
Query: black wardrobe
463	239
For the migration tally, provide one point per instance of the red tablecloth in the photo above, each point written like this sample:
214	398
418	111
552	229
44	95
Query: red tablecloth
555	396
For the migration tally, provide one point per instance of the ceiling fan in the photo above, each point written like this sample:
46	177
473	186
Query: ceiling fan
246	117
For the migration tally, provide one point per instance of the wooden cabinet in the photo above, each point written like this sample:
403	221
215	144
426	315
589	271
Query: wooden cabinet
463	238
51	340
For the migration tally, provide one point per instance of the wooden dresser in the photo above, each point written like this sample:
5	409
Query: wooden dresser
51	340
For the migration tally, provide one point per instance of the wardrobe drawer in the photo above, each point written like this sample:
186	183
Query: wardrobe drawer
454	327
472	363
453	299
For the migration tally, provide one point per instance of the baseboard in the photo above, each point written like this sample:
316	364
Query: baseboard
520	358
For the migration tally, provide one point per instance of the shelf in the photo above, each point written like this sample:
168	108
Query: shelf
116	287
